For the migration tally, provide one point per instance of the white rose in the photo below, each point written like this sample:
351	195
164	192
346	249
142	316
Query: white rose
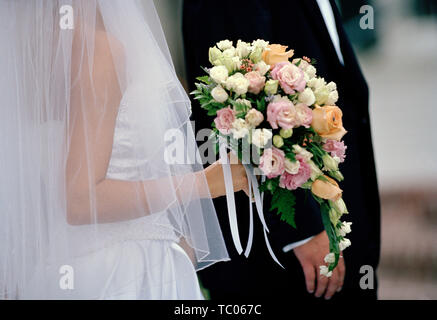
254	117
219	94
324	271
219	74
331	86
330	258
307	97
345	228
316	83
237	83
260	44
224	44
344	244
236	63
244	101
292	167
260	137
308	69
332	98
239	128
310	72
262	67
230	52
302	152
321	94
243	49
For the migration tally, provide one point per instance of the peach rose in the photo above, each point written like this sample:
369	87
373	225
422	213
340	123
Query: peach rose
275	53
327	122
328	190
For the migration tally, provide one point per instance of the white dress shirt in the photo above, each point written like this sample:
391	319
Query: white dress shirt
328	16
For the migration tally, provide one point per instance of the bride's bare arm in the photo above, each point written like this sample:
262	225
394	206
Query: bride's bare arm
91	197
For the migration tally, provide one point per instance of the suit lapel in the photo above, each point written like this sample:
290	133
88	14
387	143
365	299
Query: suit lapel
346	48
314	15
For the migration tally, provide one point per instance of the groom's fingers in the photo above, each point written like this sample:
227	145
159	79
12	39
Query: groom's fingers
310	277
322	283
334	284
342	272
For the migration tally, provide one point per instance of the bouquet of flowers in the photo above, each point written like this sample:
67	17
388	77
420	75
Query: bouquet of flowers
287	115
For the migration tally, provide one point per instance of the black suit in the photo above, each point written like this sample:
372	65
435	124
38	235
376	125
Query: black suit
300	25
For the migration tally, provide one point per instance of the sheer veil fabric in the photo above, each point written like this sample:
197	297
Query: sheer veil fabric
87	115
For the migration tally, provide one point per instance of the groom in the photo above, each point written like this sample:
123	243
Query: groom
312	28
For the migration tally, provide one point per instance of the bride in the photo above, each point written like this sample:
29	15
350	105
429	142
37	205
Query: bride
93	205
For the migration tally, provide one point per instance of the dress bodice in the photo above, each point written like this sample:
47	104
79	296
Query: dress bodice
126	164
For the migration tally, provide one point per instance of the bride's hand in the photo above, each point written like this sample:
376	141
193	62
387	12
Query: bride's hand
216	182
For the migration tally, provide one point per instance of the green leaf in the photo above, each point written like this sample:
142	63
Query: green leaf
269	185
291	156
261	104
212	112
204	79
195	92
283	201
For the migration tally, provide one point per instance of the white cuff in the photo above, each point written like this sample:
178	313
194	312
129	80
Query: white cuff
294	245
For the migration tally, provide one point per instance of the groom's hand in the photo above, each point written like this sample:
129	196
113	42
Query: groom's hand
310	256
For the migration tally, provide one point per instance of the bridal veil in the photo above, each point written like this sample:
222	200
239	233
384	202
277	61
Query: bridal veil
67	70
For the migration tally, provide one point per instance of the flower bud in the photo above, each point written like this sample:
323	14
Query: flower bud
215	55
256	55
339	206
330	163
278	141
271	87
286	133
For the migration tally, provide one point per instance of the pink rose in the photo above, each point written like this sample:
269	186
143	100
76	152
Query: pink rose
272	162
291	78
336	148
256	80
294	181
304	115
281	112
225	118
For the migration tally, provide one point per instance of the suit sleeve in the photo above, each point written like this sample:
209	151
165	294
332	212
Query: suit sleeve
307	217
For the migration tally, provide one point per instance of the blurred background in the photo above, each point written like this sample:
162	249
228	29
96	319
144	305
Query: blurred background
399	60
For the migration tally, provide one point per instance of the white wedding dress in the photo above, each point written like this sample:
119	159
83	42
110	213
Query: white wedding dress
91	207
145	251
142	256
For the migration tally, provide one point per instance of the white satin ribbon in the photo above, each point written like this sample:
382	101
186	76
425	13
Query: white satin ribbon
250	239
230	199
227	175
259	208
